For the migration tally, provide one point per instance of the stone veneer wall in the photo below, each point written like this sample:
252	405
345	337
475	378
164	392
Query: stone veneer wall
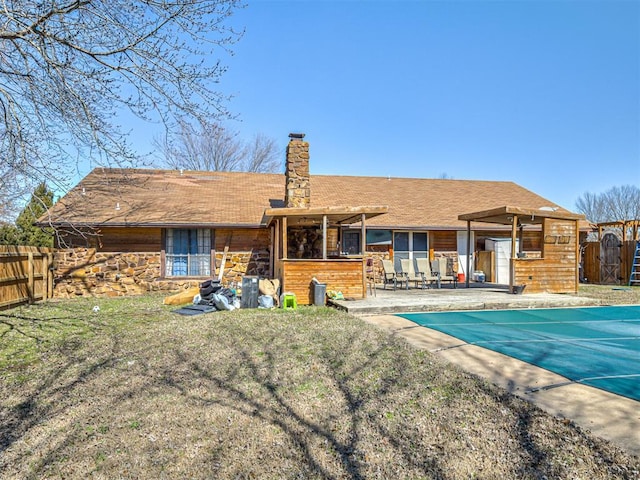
83	271
298	184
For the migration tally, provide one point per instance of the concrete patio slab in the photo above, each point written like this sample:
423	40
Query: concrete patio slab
478	297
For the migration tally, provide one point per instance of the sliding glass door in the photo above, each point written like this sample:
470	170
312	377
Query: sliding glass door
409	245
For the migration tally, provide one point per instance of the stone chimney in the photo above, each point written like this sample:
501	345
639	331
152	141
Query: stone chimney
298	189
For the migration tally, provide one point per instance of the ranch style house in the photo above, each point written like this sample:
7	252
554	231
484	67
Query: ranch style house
129	231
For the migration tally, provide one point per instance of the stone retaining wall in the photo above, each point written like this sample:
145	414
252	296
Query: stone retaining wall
84	271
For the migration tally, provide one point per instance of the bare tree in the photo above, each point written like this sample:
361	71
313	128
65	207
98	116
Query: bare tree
262	155
67	67
617	203
210	146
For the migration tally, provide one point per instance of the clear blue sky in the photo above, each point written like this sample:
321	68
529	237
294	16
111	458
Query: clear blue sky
542	93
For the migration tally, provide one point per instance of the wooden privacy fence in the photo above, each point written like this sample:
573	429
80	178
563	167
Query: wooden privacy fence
26	275
608	265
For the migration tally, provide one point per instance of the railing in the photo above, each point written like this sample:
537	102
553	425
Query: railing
26	275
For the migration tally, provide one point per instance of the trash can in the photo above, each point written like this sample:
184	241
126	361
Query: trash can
250	292
319	292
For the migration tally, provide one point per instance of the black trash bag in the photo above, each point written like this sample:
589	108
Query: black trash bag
208	287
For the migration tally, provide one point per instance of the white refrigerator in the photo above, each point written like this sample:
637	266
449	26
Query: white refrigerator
502	249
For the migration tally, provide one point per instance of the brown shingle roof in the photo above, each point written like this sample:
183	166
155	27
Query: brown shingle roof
172	198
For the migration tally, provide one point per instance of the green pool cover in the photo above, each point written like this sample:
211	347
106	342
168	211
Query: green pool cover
597	346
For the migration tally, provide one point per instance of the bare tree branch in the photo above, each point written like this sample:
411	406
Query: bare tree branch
211	146
616	204
68	67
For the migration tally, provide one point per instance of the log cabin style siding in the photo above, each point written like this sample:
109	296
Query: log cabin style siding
557	270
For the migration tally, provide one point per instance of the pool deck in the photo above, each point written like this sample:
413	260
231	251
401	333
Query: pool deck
478	297
606	415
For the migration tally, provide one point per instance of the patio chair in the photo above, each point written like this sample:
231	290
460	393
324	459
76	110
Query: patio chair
441	266
370	272
425	268
410	274
388	274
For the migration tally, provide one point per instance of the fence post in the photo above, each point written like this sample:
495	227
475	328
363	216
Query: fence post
49	275
31	281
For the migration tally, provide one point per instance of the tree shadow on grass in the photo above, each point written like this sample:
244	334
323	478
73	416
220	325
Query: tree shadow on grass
275	408
254	380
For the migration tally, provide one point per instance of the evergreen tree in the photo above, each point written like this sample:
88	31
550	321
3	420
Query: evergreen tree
26	232
8	234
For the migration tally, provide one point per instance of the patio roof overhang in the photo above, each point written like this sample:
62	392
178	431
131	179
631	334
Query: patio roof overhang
525	216
517	217
315	216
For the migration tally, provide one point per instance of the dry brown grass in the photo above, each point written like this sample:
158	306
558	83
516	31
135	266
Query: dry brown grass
612	294
136	391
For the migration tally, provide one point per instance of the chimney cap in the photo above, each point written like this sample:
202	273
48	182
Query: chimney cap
296	136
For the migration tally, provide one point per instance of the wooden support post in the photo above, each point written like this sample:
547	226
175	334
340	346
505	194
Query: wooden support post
273	250
363	234
285	247
324	237
512	269
466	280
521	239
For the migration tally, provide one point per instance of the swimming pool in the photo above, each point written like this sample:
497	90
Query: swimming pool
596	346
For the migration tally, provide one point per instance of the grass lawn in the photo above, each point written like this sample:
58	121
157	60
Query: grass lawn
136	391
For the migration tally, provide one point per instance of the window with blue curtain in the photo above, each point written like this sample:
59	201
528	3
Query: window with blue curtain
188	252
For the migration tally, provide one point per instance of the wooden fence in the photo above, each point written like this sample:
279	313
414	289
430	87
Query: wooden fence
595	270
26	275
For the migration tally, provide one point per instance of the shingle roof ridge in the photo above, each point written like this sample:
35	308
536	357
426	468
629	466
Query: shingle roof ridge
156	170
387	177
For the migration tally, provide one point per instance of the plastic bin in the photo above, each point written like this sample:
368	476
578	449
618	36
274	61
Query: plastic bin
250	292
478	276
319	293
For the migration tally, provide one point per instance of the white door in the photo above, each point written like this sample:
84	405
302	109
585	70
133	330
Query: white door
462	253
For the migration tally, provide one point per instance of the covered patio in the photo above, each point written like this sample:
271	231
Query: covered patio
556	269
306	245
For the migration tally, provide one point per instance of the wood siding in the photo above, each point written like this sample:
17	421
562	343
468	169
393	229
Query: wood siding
242	239
443	241
25	275
531	239
130	239
557	271
345	275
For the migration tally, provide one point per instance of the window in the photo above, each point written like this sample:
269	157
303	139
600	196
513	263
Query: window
351	242
409	245
379	237
188	252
